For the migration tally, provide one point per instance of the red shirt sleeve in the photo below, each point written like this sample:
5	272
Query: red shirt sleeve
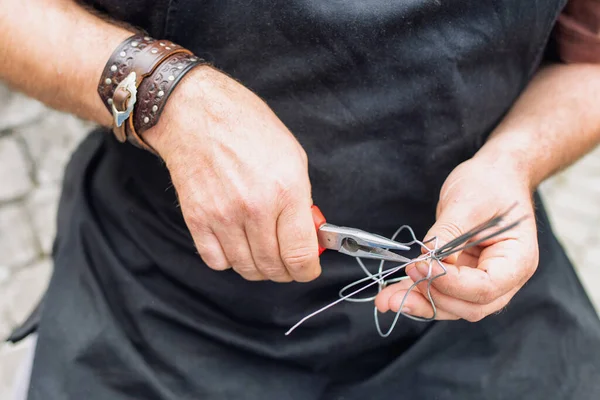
578	32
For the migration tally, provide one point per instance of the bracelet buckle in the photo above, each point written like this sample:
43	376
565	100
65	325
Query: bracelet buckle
119	117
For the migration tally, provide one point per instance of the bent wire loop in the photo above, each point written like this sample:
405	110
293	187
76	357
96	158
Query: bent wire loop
436	254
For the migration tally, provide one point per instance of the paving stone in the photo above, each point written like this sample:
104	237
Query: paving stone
51	142
4	333
14	170
4	274
25	290
13	361
571	225
592	260
580	207
18	245
587	185
42	204
589	272
547	188
17	109
5	325
590	163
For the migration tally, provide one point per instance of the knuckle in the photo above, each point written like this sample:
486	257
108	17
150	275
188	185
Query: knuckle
309	275
215	263
252	276
225	214
283	278
303	157
475	315
272	271
196	223
297	259
484	296
449	230
255	208
219	266
268	258
283	190
485	291
532	266
248	272
289	186
241	263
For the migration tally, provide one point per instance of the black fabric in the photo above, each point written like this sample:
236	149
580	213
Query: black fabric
387	98
150	16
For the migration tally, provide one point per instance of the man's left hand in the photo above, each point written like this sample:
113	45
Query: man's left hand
480	280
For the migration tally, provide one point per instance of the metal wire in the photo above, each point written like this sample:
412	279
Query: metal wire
430	255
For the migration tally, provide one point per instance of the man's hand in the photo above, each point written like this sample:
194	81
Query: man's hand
241	178
481	280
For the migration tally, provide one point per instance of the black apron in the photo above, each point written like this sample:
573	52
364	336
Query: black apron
387	97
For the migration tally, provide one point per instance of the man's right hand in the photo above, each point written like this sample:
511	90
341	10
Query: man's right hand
241	178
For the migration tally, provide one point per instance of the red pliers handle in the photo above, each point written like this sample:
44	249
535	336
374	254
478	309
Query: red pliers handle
319	220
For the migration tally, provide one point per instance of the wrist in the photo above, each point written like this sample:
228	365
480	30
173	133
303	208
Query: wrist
166	135
510	156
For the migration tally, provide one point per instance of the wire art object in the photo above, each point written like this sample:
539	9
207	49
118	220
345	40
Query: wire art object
435	254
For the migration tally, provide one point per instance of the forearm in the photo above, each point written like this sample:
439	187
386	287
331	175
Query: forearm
54	51
555	122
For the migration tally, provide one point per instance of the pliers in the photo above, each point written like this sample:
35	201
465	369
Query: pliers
355	242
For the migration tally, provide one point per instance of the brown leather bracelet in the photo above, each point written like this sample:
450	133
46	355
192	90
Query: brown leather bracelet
155	90
133	60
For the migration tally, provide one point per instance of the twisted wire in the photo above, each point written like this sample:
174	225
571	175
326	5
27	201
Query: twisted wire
430	255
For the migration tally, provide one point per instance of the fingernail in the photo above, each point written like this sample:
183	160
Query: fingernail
406	310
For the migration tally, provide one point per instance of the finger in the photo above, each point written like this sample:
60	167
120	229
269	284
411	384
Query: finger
237	250
501	268
469	257
261	233
465	283
382	301
415	303
400	296
211	252
469	311
442	232
298	243
504	262
474	312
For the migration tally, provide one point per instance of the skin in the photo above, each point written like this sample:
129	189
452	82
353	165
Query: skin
242	177
550	126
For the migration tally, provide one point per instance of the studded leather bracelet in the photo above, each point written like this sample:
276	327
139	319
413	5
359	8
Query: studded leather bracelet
137	81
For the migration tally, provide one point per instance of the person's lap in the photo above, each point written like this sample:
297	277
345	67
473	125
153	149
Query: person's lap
104	336
539	350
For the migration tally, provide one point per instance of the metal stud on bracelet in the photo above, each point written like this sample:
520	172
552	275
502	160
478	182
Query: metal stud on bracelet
155	90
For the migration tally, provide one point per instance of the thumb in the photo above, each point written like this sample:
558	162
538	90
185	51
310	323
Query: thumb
298	242
451	223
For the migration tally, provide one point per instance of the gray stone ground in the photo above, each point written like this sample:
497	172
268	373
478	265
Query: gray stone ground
35	144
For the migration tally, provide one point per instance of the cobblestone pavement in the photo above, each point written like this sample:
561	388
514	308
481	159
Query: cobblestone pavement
35	144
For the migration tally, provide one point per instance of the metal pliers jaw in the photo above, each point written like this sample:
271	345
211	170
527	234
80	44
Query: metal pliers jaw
355	242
